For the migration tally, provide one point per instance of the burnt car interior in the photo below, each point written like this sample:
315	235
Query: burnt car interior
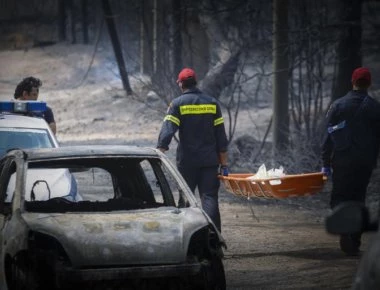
99	185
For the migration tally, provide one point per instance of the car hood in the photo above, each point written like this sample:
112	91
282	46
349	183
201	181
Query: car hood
138	237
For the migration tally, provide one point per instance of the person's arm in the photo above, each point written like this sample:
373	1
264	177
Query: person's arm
221	142
327	145
49	118
221	137
169	128
223	158
162	149
53	127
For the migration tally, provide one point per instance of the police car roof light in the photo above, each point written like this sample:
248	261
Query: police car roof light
22	106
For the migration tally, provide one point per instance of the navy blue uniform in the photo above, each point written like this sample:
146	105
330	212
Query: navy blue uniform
47	115
202	137
352	152
353	164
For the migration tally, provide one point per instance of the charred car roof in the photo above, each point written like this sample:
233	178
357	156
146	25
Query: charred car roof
88	151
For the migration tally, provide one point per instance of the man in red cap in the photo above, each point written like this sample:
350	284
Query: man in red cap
350	147
202	146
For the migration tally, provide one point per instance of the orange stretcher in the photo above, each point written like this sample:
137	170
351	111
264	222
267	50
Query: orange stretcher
277	187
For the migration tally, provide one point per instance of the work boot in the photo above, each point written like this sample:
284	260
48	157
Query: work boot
350	244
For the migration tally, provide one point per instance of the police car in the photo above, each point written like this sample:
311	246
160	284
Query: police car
22	127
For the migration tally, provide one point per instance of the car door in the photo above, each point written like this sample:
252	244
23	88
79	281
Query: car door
6	166
5	175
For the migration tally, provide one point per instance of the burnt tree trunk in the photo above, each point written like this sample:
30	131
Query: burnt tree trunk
349	46
61	20
116	45
146	37
217	79
280	75
84	4
177	36
72	17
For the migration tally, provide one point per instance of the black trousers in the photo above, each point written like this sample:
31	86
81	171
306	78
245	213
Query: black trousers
207	181
349	182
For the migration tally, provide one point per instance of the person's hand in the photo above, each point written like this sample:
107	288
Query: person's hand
326	171
161	149
223	170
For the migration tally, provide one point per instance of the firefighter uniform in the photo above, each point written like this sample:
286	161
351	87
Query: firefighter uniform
202	137
350	147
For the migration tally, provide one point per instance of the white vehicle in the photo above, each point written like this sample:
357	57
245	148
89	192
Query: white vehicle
21	127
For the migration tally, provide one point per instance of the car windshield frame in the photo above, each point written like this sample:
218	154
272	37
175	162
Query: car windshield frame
126	175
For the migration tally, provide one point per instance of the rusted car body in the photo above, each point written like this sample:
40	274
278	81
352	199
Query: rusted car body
136	222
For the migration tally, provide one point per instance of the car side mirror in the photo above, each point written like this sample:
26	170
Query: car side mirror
349	218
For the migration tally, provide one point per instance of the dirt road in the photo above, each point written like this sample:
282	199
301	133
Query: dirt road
286	248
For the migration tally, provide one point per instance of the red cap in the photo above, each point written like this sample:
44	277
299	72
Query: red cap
185	74
361	73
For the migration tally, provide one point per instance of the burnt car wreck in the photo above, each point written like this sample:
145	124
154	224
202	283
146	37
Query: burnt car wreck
85	217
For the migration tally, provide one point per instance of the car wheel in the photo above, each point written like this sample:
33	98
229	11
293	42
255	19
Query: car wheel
213	276
22	277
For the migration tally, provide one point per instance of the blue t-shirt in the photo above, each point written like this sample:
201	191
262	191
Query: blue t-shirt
47	115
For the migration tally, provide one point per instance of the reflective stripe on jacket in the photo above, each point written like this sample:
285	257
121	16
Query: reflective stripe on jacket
200	123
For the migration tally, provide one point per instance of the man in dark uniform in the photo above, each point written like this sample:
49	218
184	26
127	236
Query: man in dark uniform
202	141
28	90
350	147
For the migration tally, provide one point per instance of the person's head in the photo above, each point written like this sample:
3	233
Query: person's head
28	89
361	78
187	79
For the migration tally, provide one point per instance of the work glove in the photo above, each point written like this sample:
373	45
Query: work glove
326	171
223	170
